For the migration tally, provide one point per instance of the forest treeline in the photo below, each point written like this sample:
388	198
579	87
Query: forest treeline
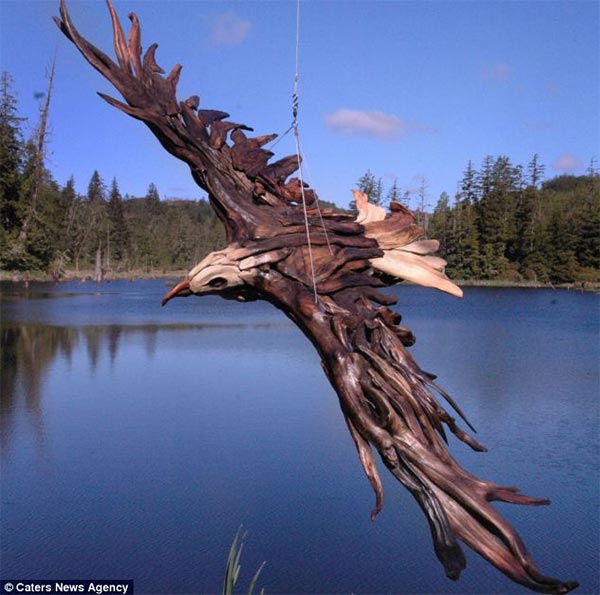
505	222
507	225
51	228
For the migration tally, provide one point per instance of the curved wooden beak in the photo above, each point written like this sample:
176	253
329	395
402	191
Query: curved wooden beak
182	289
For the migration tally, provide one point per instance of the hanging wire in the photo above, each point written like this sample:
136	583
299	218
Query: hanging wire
305	165
295	108
295	101
310	255
294	127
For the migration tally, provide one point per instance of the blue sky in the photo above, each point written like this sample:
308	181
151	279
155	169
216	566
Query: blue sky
406	89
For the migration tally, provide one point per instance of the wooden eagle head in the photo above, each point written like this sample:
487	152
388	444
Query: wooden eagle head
325	271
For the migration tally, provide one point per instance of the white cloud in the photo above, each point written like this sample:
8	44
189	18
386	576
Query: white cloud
229	29
367	123
566	162
497	72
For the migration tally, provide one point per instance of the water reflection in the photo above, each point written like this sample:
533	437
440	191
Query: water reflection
26	352
29	351
136	439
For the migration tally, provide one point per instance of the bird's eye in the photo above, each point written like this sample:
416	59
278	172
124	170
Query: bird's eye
217	282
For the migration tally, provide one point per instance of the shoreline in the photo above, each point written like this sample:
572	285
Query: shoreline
86	276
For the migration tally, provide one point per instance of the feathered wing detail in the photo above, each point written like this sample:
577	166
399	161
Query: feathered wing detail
405	255
422	270
388	402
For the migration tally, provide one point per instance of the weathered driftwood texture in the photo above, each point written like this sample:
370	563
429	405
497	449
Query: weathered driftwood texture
387	400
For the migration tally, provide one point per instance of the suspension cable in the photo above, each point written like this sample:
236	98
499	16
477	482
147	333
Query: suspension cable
294	127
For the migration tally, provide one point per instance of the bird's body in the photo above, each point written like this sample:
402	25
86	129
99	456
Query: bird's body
325	271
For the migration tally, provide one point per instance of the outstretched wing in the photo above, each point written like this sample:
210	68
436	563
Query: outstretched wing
248	193
325	271
255	199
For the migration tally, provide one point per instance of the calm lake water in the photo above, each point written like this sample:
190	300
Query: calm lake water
136	439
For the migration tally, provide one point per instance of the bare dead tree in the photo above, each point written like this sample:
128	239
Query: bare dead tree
39	155
325	273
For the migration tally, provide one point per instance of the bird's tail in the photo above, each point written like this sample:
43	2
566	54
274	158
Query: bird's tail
389	402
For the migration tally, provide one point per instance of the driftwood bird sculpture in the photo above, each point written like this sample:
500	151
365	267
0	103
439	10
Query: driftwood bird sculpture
325	271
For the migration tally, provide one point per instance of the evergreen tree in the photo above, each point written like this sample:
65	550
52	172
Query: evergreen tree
439	223
32	242
587	221
570	222
469	242
462	252
371	186
587	246
153	200
502	222
152	195
468	185
393	194
378	194
535	171
155	226
96	189
499	184
530	229
484	178
66	237
77	224
68	201
96	228
61	226
560	255
39	235
36	174
465	259
525	228
367	183
11	163
119	234
421	215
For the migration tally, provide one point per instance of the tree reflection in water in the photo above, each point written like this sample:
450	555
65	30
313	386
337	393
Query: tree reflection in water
27	352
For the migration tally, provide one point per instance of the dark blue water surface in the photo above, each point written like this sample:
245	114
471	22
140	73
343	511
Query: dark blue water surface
136	439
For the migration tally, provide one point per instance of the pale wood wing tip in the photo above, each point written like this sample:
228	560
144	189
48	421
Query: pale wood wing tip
416	269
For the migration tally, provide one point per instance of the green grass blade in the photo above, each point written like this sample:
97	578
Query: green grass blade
231	570
233	566
255	578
